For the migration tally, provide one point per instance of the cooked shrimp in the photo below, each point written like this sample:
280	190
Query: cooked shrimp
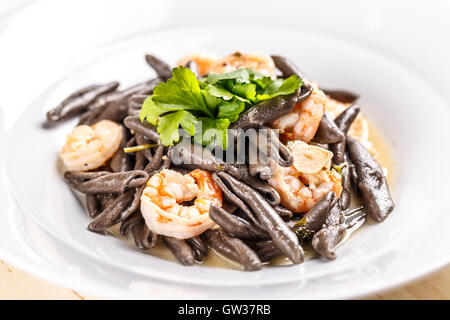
89	147
162	203
302	122
307	180
359	128
208	63
204	61
260	62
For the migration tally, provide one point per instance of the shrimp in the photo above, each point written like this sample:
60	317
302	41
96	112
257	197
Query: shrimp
359	128
208	63
302	122
89	147
260	62
162	203
305	182
204	61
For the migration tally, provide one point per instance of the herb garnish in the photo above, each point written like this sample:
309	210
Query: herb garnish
213	102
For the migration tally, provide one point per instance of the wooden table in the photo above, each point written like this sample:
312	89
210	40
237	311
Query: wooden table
16	284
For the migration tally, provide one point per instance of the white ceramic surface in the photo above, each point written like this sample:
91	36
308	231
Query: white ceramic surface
372	48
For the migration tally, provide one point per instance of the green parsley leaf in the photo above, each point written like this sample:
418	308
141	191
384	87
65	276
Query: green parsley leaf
246	90
279	87
169	124
240	75
181	92
220	92
231	110
264	82
210	132
211	103
150	111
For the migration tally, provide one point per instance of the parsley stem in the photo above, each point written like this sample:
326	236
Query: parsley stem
139	148
301	222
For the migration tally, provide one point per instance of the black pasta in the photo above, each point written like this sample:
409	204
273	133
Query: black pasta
252	227
79	101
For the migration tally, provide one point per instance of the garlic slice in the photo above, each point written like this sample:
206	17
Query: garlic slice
309	158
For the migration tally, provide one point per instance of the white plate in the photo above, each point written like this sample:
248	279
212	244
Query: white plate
402	93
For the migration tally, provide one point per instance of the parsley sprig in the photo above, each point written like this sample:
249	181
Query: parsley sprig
206	107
